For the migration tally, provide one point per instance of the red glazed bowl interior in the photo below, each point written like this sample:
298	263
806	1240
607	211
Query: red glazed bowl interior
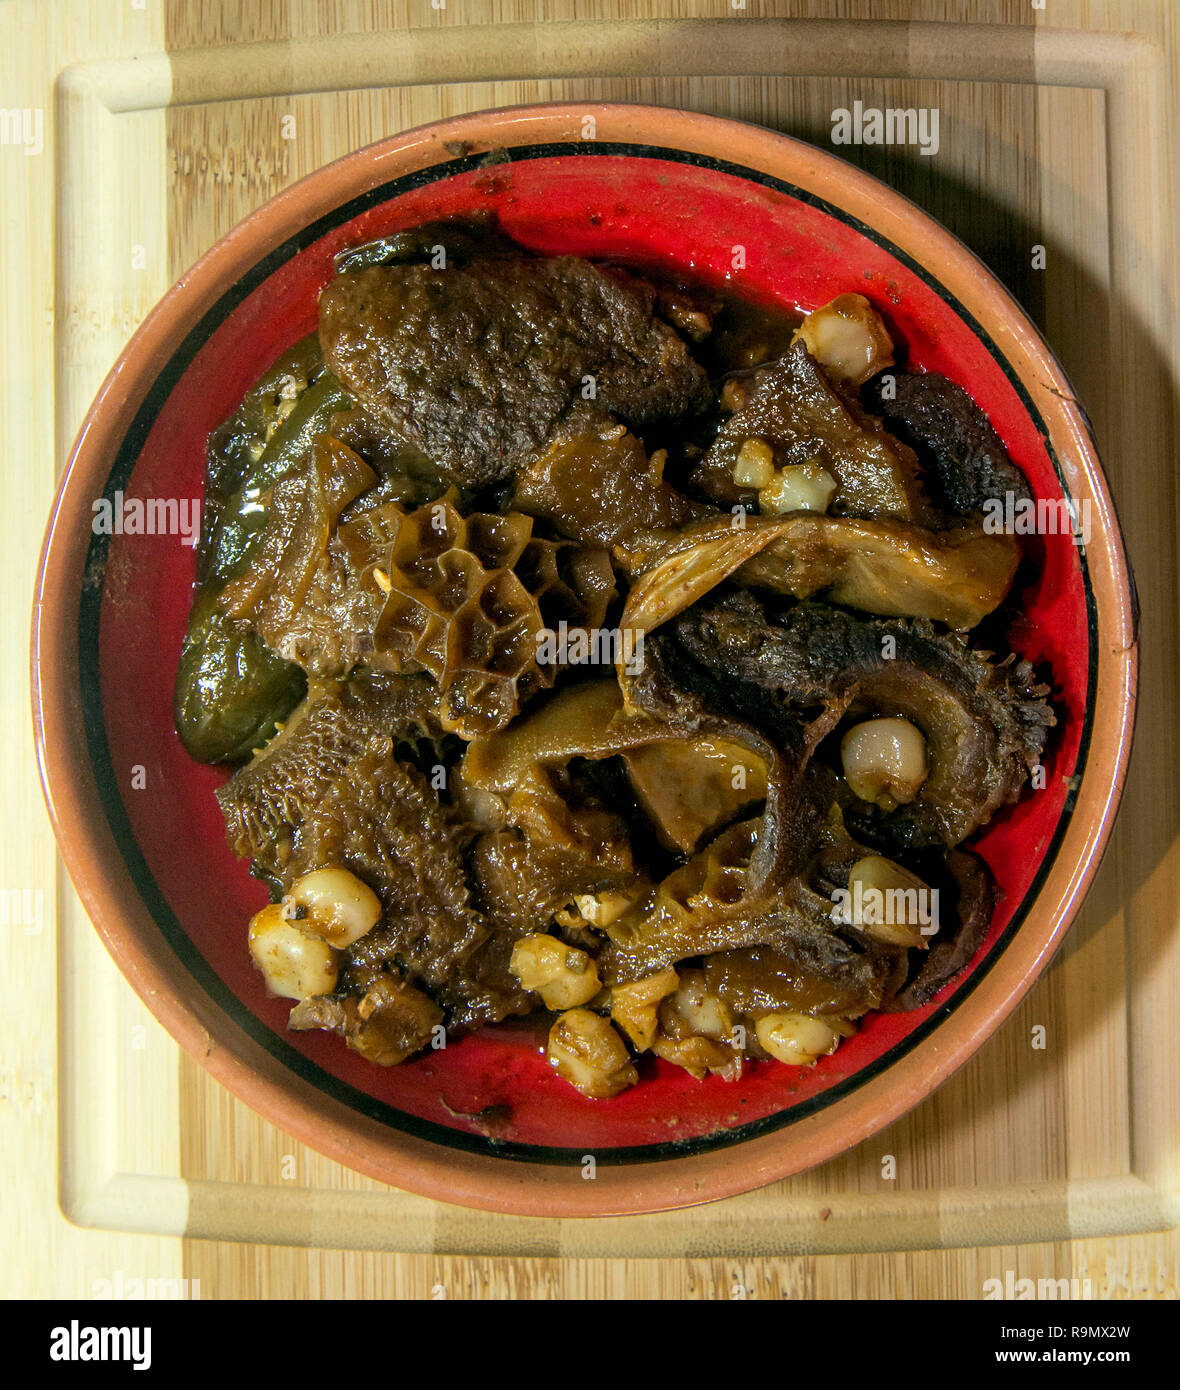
491	1094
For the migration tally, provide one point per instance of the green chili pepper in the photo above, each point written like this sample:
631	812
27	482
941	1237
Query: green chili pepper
235	447
231	690
226	546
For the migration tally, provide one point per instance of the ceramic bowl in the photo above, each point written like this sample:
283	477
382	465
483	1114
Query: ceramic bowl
484	1122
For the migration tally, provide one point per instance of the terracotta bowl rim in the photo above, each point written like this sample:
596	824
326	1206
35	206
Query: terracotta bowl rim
474	1179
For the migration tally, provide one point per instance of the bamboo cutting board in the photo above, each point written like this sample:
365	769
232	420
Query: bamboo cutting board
1047	1162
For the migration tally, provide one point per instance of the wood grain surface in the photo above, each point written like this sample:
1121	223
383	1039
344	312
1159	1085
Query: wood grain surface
1023	163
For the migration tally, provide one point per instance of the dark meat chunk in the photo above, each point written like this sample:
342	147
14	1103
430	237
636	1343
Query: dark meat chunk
710	905
792	406
328	790
965	461
823	974
404	474
751	885
264	801
892	568
796	793
385	1019
381	820
519	881
601	488
692	788
973	897
523	883
985	724
331	631
486	991
479	365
